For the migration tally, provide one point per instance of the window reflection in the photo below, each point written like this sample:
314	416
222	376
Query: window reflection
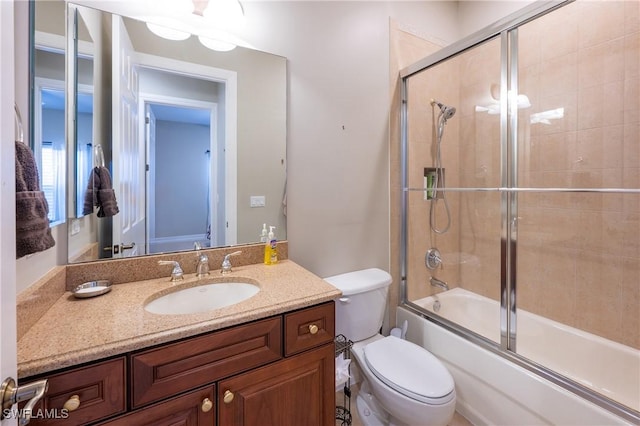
50	141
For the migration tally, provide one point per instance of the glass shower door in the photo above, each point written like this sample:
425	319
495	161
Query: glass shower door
453	238
578	222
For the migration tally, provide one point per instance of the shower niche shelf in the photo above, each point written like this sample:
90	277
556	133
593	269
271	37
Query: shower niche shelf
430	190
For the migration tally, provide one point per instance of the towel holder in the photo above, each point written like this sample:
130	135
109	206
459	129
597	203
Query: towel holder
99	155
19	133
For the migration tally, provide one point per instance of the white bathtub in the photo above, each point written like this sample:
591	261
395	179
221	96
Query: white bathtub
607	367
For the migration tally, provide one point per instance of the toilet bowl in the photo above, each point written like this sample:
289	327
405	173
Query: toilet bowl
410	384
403	383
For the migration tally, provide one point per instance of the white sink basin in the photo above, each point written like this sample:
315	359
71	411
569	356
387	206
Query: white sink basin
202	298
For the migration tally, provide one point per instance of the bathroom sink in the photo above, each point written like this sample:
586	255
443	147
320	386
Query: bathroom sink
202	298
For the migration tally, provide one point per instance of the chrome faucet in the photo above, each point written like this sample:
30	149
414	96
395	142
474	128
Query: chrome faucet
176	274
438	283
202	268
226	263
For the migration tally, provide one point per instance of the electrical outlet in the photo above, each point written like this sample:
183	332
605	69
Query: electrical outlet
257	201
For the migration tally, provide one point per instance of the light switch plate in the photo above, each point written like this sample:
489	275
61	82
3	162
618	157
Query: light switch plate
257	201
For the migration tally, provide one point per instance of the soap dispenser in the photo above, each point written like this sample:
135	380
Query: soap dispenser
270	248
273	246
264	234
267	251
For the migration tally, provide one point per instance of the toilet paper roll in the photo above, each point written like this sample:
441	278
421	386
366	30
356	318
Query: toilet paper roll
342	371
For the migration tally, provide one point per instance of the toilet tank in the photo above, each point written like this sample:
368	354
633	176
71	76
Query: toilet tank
360	309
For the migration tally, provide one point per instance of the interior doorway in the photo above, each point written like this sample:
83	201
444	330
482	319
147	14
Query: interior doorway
182	203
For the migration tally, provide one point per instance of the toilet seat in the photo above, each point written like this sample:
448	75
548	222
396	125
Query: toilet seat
410	370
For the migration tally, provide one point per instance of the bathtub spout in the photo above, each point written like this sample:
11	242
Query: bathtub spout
438	283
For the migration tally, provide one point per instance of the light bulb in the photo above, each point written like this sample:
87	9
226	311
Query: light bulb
227	14
218	45
167	32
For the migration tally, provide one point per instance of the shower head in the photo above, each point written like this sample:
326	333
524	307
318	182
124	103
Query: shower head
446	111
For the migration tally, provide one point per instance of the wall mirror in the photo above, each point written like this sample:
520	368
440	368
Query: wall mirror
47	130
193	140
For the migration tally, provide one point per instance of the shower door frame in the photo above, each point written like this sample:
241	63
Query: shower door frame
507	30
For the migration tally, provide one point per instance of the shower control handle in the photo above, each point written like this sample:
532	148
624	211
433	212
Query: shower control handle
433	259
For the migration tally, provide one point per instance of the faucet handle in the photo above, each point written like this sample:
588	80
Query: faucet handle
176	274
226	263
433	259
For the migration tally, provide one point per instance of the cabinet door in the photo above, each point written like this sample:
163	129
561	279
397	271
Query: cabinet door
292	392
192	409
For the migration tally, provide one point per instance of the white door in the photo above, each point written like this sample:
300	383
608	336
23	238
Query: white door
150	135
8	343
128	149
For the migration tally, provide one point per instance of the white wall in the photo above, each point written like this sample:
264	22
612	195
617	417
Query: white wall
474	15
181	193
338	150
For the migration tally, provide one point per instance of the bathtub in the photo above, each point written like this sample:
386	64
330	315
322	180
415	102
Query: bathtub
607	367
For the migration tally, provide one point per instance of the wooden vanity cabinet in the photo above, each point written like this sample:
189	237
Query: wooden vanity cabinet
276	371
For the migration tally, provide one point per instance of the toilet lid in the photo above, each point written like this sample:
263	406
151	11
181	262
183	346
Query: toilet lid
409	369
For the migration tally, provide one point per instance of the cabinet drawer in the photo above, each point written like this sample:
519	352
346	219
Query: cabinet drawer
100	390
309	328
171	369
191	409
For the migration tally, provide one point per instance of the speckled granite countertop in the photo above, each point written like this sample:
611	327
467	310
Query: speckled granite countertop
74	331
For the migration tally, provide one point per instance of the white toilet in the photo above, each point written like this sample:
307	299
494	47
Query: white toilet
404	384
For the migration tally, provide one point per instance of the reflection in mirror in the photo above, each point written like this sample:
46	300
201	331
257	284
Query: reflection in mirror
49	140
169	123
47	106
84	145
83	141
83	135
194	142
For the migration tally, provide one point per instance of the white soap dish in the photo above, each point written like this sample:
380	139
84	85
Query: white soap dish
92	289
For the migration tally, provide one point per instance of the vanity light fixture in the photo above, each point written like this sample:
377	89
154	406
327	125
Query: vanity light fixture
224	14
218	16
168	17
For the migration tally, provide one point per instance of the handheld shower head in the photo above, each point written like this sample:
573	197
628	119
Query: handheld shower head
446	111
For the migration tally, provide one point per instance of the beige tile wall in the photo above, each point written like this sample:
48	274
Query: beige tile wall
578	253
405	48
